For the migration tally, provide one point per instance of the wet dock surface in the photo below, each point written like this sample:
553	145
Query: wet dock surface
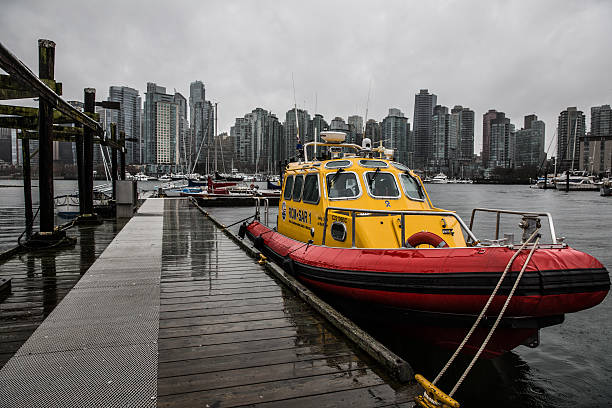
40	281
198	321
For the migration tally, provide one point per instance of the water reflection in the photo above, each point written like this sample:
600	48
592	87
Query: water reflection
87	245
190	244
49	283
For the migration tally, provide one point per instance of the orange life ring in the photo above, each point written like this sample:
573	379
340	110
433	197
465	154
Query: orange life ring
424	237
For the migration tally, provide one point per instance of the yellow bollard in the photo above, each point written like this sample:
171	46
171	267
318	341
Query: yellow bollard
435	398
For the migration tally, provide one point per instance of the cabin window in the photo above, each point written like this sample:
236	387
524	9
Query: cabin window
399	166
297	187
381	184
311	189
338	164
373	163
342	185
288	187
411	187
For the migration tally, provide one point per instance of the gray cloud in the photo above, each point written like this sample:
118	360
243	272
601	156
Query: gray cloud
520	57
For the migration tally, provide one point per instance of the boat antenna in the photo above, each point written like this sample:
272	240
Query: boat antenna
365	118
297	122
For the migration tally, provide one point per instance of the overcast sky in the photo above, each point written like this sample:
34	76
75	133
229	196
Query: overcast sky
520	57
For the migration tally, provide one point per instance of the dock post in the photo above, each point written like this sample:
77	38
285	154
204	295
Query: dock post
27	185
122	155
46	67
78	142
86	200
113	127
567	179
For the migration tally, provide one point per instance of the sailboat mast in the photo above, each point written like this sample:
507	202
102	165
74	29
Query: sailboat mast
216	136
575	137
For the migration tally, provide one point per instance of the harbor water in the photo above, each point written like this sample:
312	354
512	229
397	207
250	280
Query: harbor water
572	367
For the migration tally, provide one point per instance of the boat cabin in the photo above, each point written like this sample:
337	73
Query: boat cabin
355	199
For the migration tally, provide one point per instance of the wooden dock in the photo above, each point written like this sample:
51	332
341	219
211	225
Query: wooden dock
188	319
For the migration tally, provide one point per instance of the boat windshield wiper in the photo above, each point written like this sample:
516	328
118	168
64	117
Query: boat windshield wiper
373	177
336	175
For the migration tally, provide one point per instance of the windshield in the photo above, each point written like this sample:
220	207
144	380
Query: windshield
382	184
411	187
342	185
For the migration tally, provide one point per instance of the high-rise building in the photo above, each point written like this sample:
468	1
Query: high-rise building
463	137
498	128
497	144
161	126
183	131
338	123
101	154
373	131
395	131
316	125
202	123
290	130
166	133
440	123
570	129
596	146
424	103
486	135
257	141
128	119
355	123
6	146
529	143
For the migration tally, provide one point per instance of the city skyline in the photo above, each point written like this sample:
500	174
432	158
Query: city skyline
539	62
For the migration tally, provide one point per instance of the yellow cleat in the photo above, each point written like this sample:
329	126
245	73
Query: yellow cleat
262	259
433	397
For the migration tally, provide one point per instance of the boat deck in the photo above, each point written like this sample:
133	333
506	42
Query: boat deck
173	313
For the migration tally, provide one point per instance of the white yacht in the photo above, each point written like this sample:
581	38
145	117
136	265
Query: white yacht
578	181
440	178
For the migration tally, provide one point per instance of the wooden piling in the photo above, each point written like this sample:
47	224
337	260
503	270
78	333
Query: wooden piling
87	198
27	185
46	68
78	141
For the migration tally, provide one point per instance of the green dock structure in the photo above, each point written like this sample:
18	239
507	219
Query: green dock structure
175	314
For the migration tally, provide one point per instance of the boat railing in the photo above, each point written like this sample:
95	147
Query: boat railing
266	203
360	212
499	212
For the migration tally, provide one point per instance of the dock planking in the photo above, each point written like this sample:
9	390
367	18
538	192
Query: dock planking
230	335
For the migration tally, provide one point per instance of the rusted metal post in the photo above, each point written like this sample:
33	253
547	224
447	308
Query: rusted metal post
122	155
27	184
46	68
89	107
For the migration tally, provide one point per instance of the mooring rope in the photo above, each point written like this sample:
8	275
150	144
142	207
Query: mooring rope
486	341
484	310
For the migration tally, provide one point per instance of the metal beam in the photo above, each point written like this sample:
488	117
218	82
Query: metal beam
17	69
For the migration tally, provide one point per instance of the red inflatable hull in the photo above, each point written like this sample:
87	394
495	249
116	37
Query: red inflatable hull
443	280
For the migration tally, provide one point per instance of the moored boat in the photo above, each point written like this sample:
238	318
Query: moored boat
360	228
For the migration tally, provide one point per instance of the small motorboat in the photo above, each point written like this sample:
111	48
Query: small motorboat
360	229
